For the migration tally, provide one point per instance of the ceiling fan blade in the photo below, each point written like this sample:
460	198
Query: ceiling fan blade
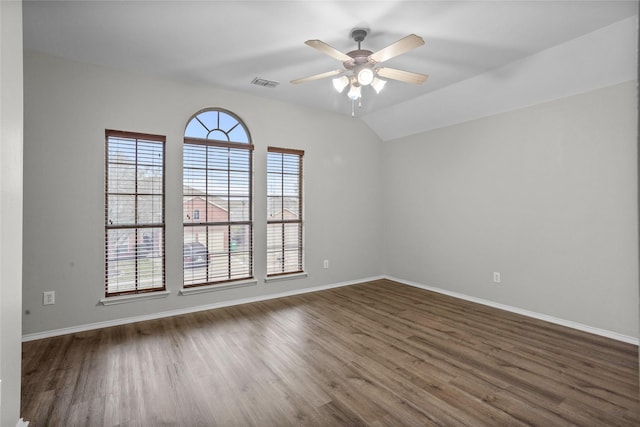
398	48
318	76
328	50
403	76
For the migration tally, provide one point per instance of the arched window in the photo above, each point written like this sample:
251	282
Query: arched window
217	183
219	125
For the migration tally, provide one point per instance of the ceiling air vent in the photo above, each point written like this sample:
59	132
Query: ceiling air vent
264	82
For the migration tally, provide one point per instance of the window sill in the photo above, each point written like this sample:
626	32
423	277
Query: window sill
133	298
220	287
285	277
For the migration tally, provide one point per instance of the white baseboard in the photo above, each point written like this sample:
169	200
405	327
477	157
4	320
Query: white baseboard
546	318
126	320
177	312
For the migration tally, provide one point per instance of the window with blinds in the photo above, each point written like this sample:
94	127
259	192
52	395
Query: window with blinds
284	211
217	199
134	213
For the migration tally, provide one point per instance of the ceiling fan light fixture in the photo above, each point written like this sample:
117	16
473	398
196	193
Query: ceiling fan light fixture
365	76
378	84
355	92
339	83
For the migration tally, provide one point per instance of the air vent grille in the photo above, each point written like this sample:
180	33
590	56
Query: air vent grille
264	82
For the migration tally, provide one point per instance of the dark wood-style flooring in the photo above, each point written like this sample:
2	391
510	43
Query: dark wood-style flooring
377	354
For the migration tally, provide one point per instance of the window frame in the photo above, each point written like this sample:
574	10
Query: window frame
283	271
136	225
229	223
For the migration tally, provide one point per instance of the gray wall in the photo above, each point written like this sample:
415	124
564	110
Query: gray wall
545	195
11	125
68	105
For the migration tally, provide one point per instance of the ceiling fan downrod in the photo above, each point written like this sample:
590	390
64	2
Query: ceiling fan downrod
358	35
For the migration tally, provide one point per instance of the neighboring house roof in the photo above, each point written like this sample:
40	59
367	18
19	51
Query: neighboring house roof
275	205
190	191
210	200
217	201
286	214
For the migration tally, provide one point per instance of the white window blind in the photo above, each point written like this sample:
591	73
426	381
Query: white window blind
134	213
284	211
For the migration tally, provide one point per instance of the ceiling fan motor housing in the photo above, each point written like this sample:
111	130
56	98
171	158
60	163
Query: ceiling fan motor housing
360	56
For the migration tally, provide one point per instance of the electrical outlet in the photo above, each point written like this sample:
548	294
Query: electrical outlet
326	263
496	277
49	298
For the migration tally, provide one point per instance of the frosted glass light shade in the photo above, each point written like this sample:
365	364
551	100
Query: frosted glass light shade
354	92
339	83
378	84
365	76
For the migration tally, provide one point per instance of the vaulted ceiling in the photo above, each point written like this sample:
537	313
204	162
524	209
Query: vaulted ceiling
227	44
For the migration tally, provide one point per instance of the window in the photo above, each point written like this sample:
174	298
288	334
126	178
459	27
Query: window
217	199
284	211
134	213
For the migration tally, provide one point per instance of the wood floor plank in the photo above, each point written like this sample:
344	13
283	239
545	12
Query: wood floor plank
374	354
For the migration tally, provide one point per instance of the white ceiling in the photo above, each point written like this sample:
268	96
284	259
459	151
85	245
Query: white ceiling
227	43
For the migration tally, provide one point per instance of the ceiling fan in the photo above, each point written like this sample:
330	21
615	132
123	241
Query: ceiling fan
362	67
